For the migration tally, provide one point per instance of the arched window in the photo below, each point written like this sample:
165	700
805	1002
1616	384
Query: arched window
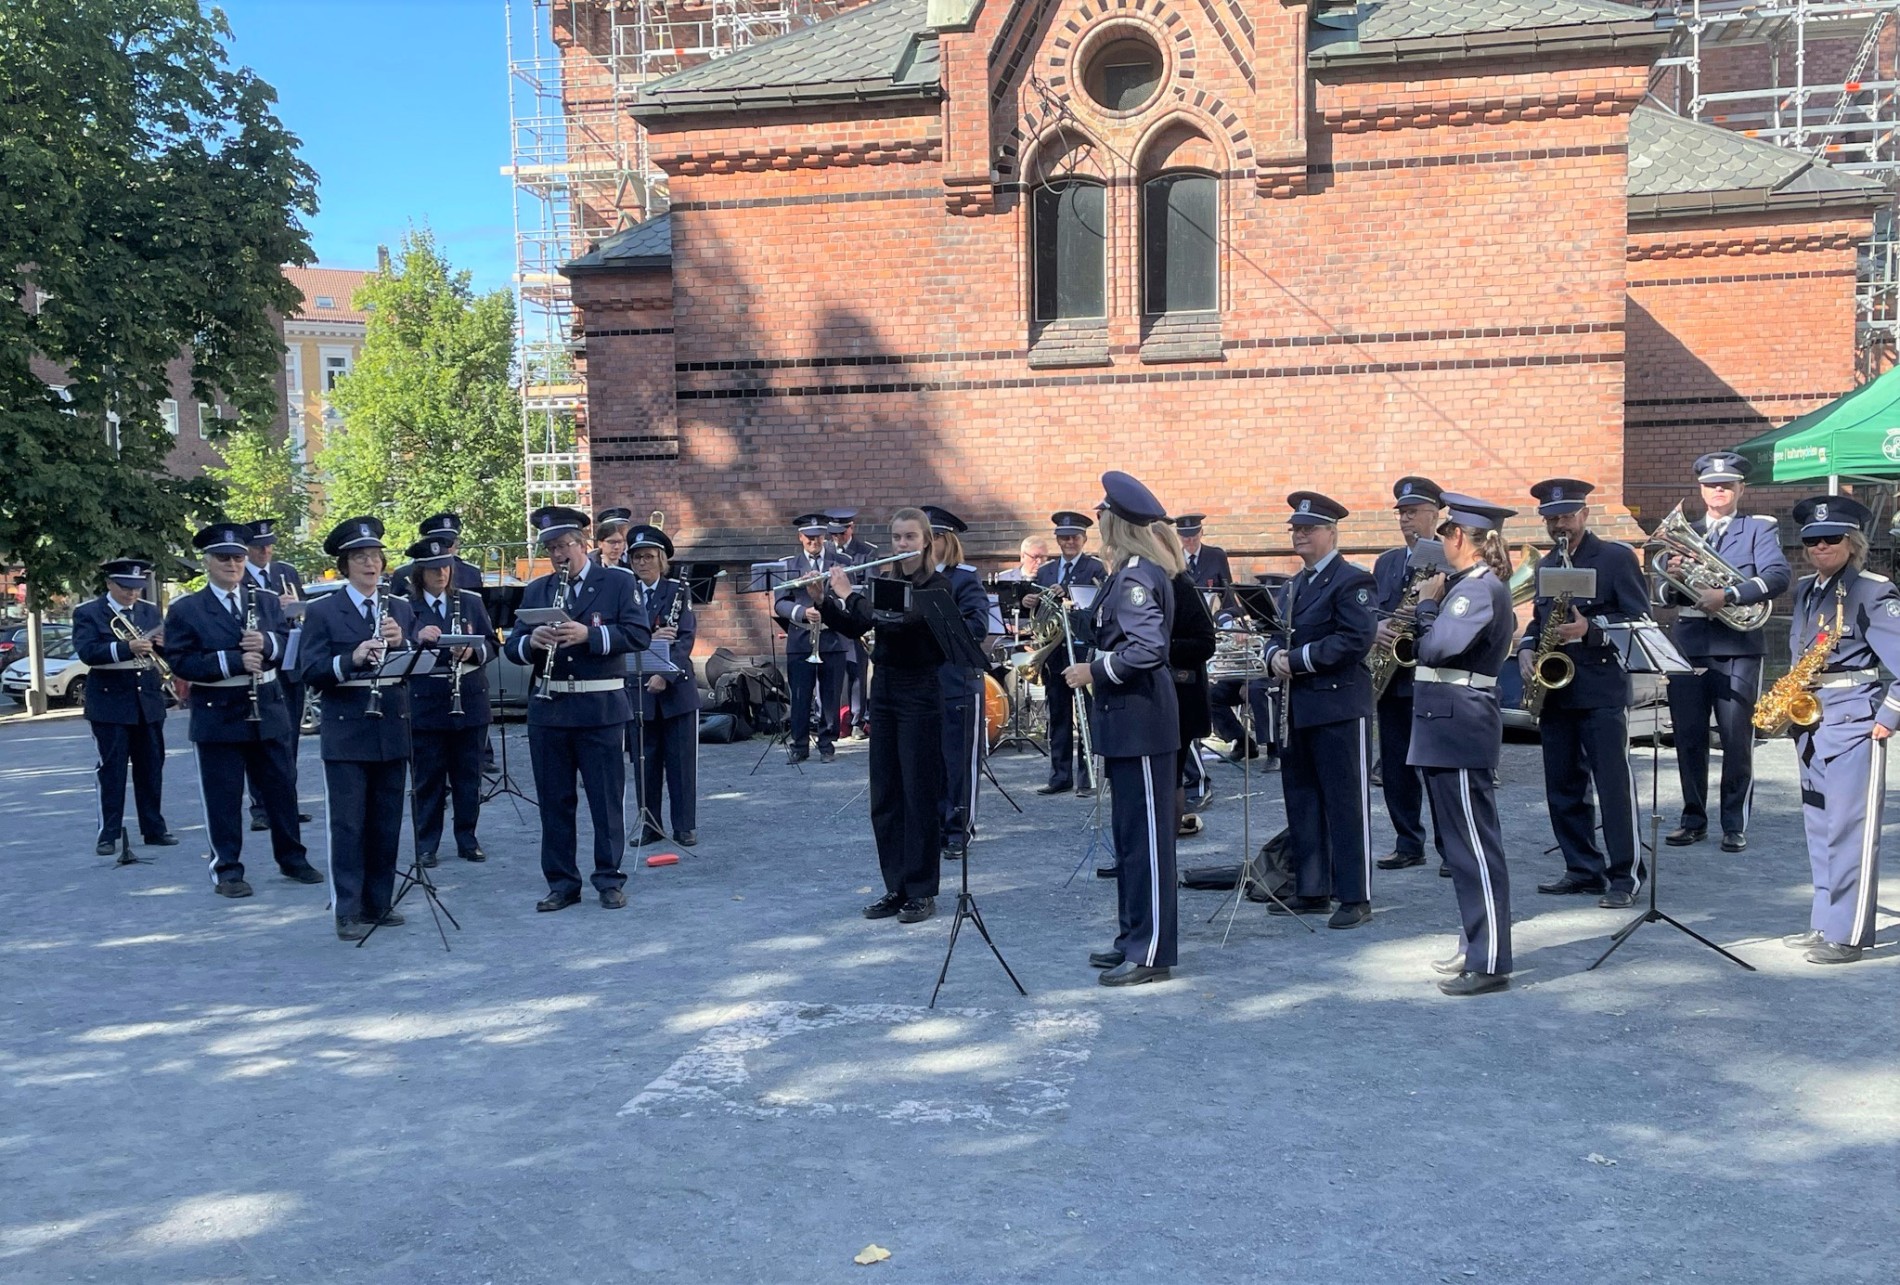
1179	253
1066	227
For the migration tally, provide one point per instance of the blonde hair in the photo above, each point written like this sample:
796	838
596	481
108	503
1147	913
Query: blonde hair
1174	555
1122	540
947	548
1857	549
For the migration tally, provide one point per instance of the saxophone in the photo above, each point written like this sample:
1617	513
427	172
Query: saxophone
1551	670
1386	661
1791	702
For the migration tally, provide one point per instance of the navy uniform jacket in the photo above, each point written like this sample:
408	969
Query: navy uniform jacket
789	605
278	577
1752	545
1332	628
1136	711
1209	568
604	602
129	692
1086	569
1870	638
430	696
682	690
1622	594
201	645
467	576
1455	724
331	629
859	551
973	604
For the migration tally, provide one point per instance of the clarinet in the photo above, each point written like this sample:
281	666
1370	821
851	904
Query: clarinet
544	689
455	669
375	709
250	626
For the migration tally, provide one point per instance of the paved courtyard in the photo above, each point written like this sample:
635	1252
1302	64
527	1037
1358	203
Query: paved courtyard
736	1079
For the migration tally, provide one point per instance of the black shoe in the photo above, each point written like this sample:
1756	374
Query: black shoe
391	918
1805	941
473	854
259	821
884	907
797	755
949	852
232	888
1301	906
352	929
686	838
647	837
301	874
305	817
1617	900
107	847
1574	884
1106	958
1132	974
1685	836
1449	967
916	910
429	861
1351	914
165	840
559	900
1106	872
1734	841
1475	983
613	899
1444	871
1052	788
827	755
1832	952
1401	861
1084	791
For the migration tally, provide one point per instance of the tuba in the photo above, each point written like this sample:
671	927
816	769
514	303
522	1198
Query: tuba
1701	568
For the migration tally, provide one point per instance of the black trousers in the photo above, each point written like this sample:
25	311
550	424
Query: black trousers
1068	765
560	755
857	673
1584	747
1142	817
1329	809
223	768
363	804
293	702
672	765
143	745
907	778
1224	696
1729	686
963	745
828	676
1404	792
448	767
1465	821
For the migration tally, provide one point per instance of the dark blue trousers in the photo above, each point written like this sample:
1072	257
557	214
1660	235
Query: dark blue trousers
672	766
223	768
1465	823
1404	792
1324	779
448	767
1143	821
591	754
143	745
1224	695
1584	747
828	676
363	804
906	785
962	762
1728	687
293	702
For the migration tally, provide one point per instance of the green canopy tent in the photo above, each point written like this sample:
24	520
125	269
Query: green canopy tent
1855	437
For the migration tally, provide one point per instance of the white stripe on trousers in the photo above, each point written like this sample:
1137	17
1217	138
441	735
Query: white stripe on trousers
1154	857
979	738
1636	819
1365	803
1870	835
1484	872
204	810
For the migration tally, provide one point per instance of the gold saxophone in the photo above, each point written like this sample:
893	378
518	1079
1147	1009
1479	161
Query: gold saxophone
1386	661
1791	702
1551	670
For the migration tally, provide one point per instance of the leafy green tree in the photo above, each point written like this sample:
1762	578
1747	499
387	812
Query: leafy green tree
430	415
262	477
150	194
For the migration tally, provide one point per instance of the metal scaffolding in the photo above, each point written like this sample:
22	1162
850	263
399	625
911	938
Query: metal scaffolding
1819	78
581	172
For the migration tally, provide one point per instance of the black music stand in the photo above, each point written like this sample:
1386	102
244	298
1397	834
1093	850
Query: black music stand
126	856
417	875
766	578
1009	601
649	662
1643	648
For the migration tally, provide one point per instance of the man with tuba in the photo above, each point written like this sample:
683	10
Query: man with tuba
1745	551
117	637
1418	503
1584	724
814	654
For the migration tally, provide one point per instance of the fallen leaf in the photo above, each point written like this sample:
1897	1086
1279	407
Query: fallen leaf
871	1254
1596	1159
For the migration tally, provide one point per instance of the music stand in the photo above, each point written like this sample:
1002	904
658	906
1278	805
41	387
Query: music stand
407	665
940	612
653	661
766	578
1009	602
1643	648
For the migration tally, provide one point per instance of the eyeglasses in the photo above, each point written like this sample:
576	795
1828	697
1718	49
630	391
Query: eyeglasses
1812	540
227	557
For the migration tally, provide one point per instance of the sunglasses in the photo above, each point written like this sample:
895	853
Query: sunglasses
1811	540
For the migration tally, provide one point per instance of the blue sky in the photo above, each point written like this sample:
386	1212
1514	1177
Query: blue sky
402	106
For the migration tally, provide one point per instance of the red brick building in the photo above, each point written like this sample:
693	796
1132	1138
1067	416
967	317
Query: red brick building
976	253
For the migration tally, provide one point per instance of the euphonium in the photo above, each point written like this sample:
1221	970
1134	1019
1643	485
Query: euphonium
1551	670
1791	702
1700	569
126	631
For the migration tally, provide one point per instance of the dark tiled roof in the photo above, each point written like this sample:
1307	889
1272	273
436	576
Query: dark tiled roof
881	50
1680	166
1386	29
644	245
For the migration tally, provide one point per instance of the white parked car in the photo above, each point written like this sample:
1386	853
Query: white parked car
65	672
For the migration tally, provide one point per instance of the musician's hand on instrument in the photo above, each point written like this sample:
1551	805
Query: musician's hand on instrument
1280	667
1432	588
1573	629
252	641
545	637
1078	675
461	655
812	615
571	633
1524	665
391	631
1881	733
840	582
1711	600
666	633
1031	601
369	647
428	634
253	662
1385	635
285	599
656	684
140	646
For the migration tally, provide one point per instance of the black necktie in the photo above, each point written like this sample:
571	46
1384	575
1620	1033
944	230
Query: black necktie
369	610
1194	565
231	603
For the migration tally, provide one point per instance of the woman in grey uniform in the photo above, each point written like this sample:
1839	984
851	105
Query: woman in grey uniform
1136	729
1465	628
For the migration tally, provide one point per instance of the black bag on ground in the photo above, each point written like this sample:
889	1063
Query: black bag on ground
1276	865
751	689
717	727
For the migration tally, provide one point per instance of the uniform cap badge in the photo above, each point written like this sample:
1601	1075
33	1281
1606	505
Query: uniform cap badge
1820	513
1306	506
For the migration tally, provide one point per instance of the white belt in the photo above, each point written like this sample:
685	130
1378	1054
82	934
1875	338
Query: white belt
569	686
122	664
243	680
368	682
1851	678
1456	677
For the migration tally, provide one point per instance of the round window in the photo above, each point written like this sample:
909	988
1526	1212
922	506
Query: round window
1124	75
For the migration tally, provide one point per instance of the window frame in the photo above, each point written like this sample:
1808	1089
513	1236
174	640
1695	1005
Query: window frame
1144	258
1036	219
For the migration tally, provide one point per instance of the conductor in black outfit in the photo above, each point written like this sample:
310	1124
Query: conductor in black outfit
906	722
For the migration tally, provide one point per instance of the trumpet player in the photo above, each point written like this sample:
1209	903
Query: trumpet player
1843	752
229	645
1417	501
117	636
449	710
1071	567
365	731
814	655
669	703
1727	661
1584	726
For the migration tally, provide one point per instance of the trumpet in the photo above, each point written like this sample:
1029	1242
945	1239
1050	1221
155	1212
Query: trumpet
126	631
